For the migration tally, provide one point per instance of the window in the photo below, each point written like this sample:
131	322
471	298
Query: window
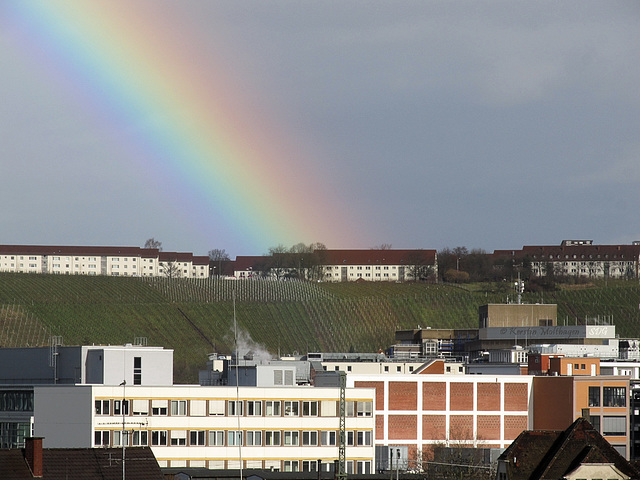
101	438
364	467
102	407
198	408
254	437
117	438
291	438
197	437
614	426
178	407
254	408
234	437
178	437
291	465
158	437
216	407
137	370
140	407
365	409
328	438
140	438
309	466
159	407
350	408
310	408
235	408
291	408
614	397
272	438
216	437
272	408
310	438
328	408
594	396
121	407
351	438
364	438
595	421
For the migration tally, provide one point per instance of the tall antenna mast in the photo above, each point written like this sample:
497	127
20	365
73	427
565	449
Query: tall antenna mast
239	410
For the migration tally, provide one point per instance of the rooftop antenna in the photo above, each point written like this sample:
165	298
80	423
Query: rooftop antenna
238	412
519	284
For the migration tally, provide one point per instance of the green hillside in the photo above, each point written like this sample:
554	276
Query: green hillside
195	317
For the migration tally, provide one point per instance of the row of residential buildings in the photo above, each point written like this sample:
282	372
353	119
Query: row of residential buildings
578	258
293	413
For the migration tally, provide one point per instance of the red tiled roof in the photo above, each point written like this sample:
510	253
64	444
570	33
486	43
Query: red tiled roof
75	250
247	262
563	252
83	463
376	257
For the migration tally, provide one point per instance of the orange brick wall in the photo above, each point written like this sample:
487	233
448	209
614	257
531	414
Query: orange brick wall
516	396
513	426
403	395
403	426
461	396
552	402
379	386
434	427
489	396
461	427
379	427
488	427
434	396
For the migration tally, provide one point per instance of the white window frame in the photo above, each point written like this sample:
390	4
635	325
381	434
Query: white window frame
216	438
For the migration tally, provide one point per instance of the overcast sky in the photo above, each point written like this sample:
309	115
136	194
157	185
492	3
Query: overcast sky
431	124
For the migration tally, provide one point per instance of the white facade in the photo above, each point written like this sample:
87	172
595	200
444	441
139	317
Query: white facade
608	349
368	368
114	261
285	428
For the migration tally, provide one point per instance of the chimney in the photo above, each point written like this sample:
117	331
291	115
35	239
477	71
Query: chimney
33	455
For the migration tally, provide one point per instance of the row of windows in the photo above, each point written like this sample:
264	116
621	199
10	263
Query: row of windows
361	268
269	408
361	466
611	397
221	438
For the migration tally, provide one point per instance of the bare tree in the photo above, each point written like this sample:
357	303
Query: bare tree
279	264
419	267
382	246
153	243
170	269
217	257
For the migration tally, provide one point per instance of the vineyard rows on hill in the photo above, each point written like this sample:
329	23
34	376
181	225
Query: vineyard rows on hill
196	317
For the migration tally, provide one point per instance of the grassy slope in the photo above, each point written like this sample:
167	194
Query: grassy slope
195	317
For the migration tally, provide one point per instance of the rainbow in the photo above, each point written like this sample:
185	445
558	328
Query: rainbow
184	121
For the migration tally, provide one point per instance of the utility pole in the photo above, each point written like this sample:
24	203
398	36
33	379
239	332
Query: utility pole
124	396
342	463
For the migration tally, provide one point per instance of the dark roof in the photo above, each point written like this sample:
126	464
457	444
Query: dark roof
567	252
378	257
83	463
77	250
260	474
249	262
550	455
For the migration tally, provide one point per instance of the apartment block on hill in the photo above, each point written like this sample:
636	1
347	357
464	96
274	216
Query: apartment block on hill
578	258
373	265
90	260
